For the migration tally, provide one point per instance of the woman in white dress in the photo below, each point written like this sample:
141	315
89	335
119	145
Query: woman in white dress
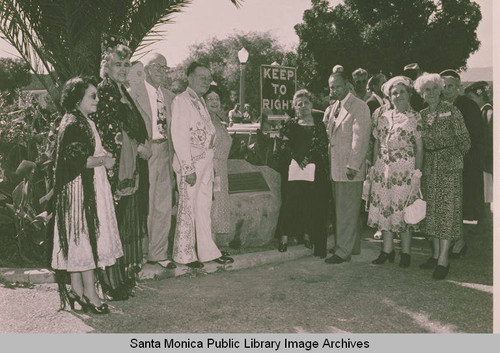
85	230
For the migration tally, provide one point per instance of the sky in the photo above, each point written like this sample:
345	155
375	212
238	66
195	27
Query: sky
204	19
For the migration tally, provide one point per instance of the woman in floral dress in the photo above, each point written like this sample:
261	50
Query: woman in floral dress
446	141
124	135
85	233
395	176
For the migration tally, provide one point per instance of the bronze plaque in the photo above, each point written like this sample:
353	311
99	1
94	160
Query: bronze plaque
247	182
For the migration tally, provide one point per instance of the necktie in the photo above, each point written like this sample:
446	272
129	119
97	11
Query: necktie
161	122
335	116
337	111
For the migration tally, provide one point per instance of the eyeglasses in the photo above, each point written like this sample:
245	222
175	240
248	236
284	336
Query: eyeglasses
213	99
157	66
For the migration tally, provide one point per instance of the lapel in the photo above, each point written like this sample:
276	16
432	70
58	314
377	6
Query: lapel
344	112
140	95
168	97
331	118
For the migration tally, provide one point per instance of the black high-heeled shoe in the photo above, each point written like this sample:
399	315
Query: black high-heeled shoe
75	298
429	264
101	309
383	257
440	272
457	255
282	247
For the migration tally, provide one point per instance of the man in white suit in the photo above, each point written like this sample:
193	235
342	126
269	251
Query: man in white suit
193	137
154	103
348	126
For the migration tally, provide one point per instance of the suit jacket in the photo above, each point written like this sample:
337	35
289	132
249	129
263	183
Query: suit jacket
373	103
139	94
349	137
193	132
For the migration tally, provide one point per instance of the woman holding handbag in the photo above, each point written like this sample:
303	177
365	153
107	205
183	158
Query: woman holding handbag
395	175
446	141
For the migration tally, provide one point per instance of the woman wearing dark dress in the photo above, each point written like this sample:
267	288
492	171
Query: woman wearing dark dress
305	195
221	212
124	135
446	141
85	232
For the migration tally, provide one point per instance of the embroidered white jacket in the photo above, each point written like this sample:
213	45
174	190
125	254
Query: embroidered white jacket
192	131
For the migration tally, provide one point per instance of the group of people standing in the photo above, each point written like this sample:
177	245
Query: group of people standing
409	138
118	147
123	145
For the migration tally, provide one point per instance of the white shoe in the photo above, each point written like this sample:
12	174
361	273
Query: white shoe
377	235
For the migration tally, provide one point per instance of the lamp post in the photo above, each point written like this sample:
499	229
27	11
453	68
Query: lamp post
243	58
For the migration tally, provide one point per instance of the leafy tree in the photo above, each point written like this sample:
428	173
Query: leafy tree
14	73
381	35
64	36
221	55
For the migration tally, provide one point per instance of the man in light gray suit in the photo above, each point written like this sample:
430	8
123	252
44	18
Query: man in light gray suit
348	126
154	103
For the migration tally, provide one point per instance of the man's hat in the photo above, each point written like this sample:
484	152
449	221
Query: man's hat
413	66
359	71
338	69
477	87
450	73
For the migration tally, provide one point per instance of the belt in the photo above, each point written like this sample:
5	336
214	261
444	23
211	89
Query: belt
159	140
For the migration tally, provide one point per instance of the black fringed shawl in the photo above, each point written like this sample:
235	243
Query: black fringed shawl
75	144
113	115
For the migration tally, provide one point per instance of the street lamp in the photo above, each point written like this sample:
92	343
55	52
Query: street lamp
243	58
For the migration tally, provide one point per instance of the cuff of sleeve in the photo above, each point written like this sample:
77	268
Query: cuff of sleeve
187	169
350	167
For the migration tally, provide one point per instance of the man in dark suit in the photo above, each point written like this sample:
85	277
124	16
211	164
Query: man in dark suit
473	198
360	79
413	72
348	126
375	85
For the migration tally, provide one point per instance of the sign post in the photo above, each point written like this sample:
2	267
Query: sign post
277	87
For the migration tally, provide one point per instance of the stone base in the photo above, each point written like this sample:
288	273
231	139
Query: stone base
254	215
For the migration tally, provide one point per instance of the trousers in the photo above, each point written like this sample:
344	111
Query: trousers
193	234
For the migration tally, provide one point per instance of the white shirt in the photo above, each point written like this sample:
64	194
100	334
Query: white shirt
152	94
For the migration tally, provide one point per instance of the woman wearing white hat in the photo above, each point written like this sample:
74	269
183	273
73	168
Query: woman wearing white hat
395	175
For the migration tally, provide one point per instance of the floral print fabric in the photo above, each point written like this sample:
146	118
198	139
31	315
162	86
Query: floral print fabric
396	134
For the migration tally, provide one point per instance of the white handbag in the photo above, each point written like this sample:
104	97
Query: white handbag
415	212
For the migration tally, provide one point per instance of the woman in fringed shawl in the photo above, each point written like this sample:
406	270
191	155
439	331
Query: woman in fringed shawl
124	134
85	231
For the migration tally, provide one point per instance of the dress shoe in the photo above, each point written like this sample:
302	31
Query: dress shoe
308	244
457	255
335	259
75	298
225	253
224	260
429	264
383	257
282	247
117	294
195	264
164	263
404	261
101	309
440	272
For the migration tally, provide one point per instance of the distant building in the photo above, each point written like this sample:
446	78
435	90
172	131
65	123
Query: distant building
37	90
